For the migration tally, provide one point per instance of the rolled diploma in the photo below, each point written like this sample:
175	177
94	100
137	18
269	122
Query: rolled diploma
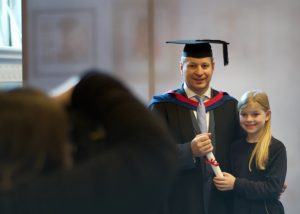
211	158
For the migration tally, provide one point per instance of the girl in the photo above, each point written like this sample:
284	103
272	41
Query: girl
258	161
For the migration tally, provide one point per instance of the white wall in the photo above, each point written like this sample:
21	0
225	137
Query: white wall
65	38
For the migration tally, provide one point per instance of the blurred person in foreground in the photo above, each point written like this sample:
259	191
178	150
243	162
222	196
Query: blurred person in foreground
127	163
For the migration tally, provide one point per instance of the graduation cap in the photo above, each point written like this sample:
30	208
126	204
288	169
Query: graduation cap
201	48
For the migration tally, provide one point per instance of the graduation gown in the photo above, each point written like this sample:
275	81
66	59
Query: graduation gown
187	194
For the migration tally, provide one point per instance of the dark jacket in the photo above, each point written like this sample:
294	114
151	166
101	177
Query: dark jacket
188	192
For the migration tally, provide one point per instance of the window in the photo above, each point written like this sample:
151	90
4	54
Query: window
11	26
10	43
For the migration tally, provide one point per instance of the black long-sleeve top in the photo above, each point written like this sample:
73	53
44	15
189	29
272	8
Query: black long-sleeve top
258	191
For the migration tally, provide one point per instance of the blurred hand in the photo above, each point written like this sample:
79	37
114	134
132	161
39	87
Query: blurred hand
284	188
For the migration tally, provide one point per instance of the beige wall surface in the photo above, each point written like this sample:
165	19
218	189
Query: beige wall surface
127	38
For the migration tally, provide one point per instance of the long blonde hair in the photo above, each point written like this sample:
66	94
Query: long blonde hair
261	150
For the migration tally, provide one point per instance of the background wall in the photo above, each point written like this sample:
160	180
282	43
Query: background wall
127	38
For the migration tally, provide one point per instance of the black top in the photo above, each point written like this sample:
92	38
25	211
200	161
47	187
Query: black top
258	191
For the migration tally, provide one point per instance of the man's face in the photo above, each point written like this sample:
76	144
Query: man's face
197	73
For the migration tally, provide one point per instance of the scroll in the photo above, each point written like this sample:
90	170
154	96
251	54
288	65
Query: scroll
211	160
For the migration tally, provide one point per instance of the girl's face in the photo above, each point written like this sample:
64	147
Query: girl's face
253	119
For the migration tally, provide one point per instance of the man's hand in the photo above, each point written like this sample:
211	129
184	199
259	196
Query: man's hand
283	188
201	145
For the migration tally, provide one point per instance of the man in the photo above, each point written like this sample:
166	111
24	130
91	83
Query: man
192	190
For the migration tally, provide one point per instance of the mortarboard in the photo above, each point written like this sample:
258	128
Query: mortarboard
201	48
